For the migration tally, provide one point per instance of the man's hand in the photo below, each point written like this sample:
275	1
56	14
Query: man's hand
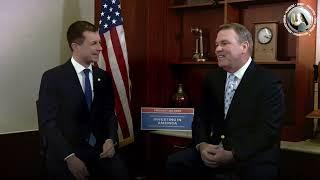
77	168
207	152
222	156
107	149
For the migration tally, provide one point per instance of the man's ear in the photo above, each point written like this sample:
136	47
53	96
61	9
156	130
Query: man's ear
245	47
74	46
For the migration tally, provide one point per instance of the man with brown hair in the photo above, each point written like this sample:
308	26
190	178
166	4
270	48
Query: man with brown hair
76	111
239	119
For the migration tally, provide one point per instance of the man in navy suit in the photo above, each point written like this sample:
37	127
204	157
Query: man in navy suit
240	117
76	112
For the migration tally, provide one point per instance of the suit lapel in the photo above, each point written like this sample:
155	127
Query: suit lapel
97	79
221	86
94	78
241	89
74	84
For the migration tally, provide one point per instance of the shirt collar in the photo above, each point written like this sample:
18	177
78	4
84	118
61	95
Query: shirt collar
239	74
78	67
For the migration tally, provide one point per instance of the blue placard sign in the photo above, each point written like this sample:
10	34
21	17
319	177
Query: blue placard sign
153	118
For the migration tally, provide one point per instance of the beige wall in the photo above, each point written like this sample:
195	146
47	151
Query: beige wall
74	10
33	40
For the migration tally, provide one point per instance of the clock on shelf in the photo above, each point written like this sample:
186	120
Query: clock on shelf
265	41
264	35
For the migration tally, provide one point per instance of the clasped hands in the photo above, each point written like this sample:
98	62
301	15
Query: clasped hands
214	155
78	168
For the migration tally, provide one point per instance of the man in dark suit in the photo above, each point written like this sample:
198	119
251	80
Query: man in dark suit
239	118
76	111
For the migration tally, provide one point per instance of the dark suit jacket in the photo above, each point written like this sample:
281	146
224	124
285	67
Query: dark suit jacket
66	121
252	125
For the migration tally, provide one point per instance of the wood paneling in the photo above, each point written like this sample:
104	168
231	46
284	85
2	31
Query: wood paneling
20	155
232	14
305	51
157	70
299	166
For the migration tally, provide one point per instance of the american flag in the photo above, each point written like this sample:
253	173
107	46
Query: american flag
114	60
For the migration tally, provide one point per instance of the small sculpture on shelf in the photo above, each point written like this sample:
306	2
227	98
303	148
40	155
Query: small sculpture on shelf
198	55
180	99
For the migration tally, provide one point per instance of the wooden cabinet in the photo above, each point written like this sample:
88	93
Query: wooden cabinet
170	45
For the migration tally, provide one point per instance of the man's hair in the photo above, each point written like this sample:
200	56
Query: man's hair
242	32
75	32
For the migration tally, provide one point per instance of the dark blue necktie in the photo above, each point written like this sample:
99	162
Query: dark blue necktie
87	88
88	94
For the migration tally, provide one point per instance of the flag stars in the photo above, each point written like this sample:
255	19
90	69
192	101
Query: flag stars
110	14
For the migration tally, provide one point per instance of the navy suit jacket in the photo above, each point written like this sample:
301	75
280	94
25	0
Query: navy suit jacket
65	119
252	125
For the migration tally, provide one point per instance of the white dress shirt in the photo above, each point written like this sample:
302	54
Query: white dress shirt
81	76
239	74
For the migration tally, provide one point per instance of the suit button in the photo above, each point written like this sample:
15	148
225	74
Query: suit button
222	136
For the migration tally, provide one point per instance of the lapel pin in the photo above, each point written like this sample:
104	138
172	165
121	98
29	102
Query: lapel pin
99	79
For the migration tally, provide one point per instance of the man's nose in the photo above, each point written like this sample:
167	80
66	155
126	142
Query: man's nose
218	48
99	47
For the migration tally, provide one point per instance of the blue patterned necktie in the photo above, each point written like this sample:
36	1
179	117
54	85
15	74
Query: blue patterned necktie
87	88
231	86
88	94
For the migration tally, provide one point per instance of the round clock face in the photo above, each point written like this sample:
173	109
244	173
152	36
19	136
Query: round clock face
264	35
